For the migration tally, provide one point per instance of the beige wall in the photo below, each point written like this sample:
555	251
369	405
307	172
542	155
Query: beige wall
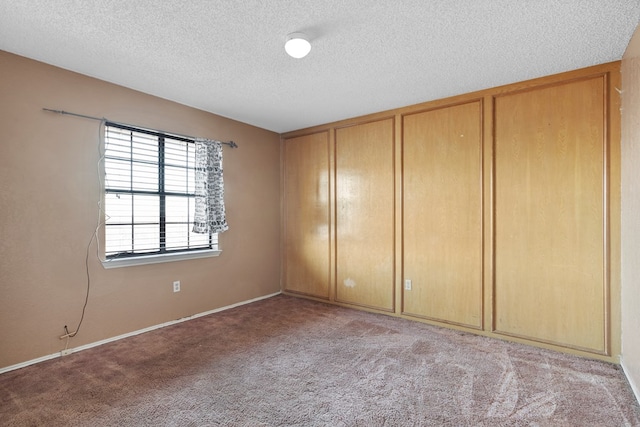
631	212
48	211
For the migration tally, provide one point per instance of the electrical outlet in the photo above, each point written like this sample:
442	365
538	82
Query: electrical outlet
407	284
176	286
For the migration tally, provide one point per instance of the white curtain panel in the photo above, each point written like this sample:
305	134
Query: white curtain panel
209	188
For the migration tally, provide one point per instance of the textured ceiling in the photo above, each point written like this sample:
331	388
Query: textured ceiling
227	56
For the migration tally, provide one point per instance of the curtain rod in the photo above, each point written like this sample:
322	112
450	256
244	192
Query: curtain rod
230	143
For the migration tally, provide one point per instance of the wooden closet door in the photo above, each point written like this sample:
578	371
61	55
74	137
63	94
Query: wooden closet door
306	215
550	228
365	220
442	233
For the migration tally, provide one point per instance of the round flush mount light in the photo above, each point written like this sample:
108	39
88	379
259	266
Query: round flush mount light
297	45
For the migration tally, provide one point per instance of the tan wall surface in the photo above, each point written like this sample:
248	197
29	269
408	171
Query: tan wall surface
631	211
48	211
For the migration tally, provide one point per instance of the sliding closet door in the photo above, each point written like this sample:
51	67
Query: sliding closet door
550	247
365	214
442	233
306	215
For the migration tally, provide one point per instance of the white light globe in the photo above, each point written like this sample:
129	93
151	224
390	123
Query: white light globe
297	45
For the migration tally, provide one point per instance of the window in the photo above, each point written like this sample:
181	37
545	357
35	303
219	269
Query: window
149	194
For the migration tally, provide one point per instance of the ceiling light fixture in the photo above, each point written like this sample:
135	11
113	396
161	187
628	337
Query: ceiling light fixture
297	45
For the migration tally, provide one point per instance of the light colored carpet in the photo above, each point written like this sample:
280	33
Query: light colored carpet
292	362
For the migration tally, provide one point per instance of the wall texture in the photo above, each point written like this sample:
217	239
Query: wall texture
48	211
630	221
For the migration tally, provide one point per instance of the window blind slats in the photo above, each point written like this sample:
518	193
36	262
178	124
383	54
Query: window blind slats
138	164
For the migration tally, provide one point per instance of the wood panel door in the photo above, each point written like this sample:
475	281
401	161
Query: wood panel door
550	224
442	233
306	215
365	219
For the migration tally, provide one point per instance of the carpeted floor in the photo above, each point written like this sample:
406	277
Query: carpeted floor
292	362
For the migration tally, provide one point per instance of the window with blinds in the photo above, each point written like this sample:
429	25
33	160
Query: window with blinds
149	194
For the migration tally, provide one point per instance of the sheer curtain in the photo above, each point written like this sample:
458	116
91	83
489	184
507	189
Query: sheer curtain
209	188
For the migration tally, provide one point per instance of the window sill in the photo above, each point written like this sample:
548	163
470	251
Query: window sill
157	259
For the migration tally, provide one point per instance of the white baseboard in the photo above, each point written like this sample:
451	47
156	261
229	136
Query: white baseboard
130	334
632	383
